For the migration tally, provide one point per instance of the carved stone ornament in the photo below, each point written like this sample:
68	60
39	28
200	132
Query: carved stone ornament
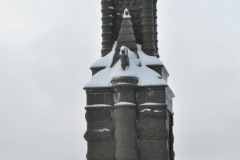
124	57
133	2
120	2
126	2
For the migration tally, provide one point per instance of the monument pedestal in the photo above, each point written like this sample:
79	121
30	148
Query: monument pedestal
129	122
129	103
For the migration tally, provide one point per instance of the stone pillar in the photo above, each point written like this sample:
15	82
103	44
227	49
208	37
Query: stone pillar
154	123
125	115
100	124
148	37
107	26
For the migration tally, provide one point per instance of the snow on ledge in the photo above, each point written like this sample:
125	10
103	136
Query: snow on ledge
102	130
145	75
151	104
148	110
99	105
124	103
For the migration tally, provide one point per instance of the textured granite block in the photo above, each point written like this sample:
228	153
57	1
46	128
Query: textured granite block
108	98
100	125
101	144
99	115
156	97
141	97
124	97
95	98
126	154
151	124
152	134
96	135
153	149
152	113
101	154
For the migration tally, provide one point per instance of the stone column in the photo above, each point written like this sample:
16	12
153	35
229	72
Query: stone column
107	26
125	115
148	33
100	124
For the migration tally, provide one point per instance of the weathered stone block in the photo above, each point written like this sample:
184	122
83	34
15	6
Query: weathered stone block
108	98
152	133
156	97
151	124
101	154
124	97
141	97
153	149
99	115
152	113
95	98
126	154
101	144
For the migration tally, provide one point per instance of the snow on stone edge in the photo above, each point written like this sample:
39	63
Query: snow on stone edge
145	75
124	103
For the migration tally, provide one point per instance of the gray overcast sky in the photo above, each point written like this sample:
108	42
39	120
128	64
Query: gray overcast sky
47	47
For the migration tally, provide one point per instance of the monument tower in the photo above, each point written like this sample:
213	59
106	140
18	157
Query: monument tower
129	103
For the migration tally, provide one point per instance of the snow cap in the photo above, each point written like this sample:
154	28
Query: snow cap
126	14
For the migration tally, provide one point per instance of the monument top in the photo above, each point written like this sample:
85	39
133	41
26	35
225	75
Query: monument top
144	18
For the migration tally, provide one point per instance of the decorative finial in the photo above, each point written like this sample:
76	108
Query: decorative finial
124	57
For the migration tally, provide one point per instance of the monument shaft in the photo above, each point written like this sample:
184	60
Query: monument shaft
129	102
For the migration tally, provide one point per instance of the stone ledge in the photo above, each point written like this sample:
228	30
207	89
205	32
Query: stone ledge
152	113
99	136
98	107
100	125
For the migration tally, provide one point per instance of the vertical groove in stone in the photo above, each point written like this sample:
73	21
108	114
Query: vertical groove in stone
107	26
155	27
147	23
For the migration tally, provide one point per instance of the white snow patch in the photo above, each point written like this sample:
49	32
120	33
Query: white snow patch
106	60
157	111
126	15
124	103
145	110
99	105
111	7
122	83
102	130
145	75
150	103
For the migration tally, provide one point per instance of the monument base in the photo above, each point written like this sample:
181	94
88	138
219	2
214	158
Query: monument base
129	122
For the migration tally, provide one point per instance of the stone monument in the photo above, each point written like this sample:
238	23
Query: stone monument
129	103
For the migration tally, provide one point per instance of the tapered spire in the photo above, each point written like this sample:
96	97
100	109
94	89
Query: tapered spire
126	36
